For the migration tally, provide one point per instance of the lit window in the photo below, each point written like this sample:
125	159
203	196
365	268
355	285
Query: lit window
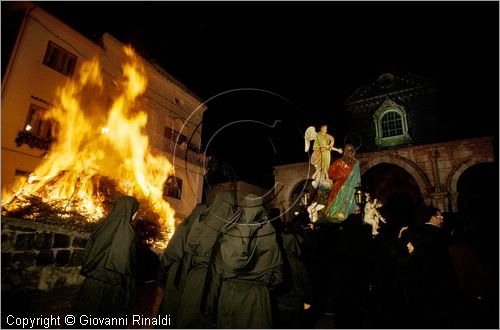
59	59
35	124
392	124
174	135
391	127
173	187
37	132
22	174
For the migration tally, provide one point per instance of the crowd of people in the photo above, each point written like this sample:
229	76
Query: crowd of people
232	263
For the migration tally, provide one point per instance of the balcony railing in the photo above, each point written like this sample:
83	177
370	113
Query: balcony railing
170	147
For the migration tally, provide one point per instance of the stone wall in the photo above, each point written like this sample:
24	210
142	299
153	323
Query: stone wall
40	256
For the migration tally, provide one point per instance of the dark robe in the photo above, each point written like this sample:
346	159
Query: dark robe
110	264
420	291
197	256
296	289
249	264
172	274
438	282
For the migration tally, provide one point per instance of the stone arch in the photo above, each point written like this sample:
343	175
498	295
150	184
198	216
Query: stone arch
285	202
295	186
292	177
406	164
298	175
291	189
458	170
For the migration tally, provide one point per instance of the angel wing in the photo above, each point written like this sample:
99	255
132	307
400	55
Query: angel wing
309	135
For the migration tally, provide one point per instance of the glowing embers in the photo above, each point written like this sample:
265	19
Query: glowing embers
99	151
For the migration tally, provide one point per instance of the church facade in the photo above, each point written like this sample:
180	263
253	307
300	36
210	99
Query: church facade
404	159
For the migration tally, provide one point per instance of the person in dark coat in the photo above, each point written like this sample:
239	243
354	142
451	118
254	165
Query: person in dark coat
109	264
172	274
351	271
248	264
439	284
198	248
294	295
424	286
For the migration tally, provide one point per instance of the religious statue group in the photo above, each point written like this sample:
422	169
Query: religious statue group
336	182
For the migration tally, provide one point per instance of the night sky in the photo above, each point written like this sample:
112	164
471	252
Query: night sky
296	63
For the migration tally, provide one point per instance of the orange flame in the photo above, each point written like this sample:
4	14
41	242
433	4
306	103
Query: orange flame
95	138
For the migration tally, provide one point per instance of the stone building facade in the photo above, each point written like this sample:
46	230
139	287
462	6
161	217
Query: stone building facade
393	111
431	171
404	160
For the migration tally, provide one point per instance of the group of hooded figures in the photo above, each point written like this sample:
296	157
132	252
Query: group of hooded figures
228	265
222	264
231	264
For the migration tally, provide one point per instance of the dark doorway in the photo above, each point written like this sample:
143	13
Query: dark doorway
301	189
401	209
477	206
477	191
398	191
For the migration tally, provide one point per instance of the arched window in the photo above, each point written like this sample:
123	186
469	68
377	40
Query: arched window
391	125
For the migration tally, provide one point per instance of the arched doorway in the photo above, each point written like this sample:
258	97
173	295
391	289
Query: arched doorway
301	188
477	190
477	206
397	189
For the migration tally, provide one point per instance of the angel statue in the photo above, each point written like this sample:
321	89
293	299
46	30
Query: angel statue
372	216
320	158
313	210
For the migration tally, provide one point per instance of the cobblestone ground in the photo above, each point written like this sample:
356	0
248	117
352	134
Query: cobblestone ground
148	301
326	322
57	303
24	303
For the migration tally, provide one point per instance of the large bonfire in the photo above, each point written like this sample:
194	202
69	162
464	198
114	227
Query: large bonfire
100	151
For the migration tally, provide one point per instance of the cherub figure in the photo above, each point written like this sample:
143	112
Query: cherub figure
313	211
372	216
321	156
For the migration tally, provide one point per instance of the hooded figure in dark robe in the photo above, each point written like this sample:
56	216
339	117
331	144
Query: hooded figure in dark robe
172	274
204	233
110	264
294	295
248	264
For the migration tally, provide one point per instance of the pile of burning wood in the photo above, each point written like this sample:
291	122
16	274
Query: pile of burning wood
69	214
